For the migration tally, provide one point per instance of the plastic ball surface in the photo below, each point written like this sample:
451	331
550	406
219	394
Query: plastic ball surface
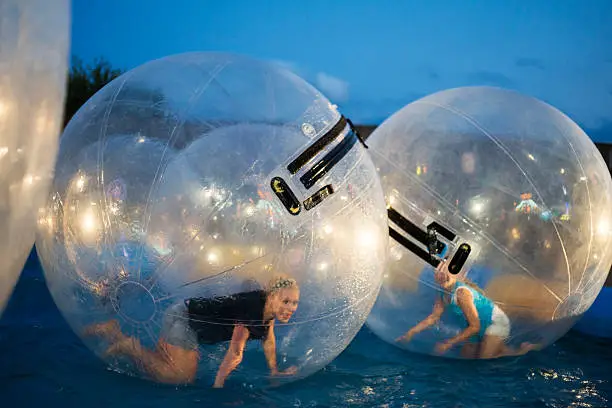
516	198
188	184
34	43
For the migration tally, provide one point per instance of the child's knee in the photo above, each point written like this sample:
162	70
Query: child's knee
241	333
235	355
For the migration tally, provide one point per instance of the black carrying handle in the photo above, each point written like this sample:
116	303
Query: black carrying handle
318	170
428	238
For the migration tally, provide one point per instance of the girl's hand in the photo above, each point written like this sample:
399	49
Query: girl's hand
405	338
442	266
443	347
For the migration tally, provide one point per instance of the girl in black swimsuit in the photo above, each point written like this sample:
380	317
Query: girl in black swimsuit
236	318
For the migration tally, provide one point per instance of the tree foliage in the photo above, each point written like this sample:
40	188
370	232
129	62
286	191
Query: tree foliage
84	81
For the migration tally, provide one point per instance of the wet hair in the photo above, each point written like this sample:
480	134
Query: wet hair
281	282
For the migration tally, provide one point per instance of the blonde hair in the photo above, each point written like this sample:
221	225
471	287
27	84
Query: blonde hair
281	281
462	277
472	285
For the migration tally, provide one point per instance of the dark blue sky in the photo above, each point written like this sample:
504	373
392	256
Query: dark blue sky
373	57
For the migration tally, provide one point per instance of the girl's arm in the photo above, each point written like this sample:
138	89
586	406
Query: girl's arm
233	356
465	300
429	321
269	346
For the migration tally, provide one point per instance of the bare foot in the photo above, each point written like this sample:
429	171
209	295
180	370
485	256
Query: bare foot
526	347
286	373
124	346
110	330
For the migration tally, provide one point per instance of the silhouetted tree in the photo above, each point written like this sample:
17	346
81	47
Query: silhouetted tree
84	81
151	116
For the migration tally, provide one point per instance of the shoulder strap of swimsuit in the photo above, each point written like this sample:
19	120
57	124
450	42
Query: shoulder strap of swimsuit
458	285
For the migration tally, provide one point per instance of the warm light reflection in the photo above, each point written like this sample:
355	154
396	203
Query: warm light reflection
44	121
192	232
213	258
603	227
4	110
45	220
206	195
88	222
396	252
113	208
249	210
80	183
421	169
366	237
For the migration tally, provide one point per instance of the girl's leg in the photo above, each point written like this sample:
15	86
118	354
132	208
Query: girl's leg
495	346
167	363
492	347
470	350
494	342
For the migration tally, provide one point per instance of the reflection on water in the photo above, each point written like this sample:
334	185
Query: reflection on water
43	362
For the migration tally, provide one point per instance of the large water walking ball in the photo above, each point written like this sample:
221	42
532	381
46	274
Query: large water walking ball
205	175
34	43
516	197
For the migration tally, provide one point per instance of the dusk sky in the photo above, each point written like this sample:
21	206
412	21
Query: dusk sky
373	57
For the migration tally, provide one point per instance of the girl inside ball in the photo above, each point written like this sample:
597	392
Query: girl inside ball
235	319
486	327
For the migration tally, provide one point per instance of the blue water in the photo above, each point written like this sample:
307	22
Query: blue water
598	320
42	363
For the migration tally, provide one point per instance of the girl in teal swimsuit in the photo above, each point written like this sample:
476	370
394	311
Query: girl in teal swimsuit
483	323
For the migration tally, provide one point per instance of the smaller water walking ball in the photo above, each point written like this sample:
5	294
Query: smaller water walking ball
516	198
202	201
34	43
